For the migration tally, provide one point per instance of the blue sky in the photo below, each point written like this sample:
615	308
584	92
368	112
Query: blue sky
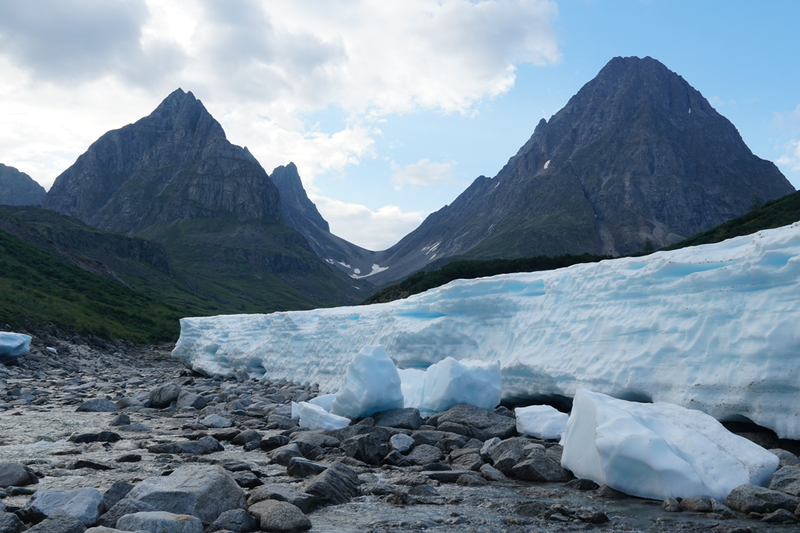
389	108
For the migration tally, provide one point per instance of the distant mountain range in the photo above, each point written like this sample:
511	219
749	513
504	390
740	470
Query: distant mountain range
168	206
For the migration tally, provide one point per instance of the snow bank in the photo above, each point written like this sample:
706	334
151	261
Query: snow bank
659	450
12	345
712	327
541	421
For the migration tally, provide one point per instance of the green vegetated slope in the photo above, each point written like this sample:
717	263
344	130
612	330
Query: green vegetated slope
774	214
423	281
38	289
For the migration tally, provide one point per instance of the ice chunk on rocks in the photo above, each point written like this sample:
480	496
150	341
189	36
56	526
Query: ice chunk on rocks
541	421
412	383
659	450
450	382
315	417
326	400
371	384
12	345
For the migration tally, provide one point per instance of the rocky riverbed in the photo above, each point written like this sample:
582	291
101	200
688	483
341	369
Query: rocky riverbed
118	417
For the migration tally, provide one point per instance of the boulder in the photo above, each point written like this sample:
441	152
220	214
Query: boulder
405	418
481	423
10	523
284	493
540	468
204	491
85	504
754	499
120	509
201	446
369	448
160	522
275	515
301	467
787	479
246	436
97	405
187	399
16	475
401	442
164	395
115	493
59	522
336	485
236	520
424	454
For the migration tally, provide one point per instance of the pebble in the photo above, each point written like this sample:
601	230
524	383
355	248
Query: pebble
127	419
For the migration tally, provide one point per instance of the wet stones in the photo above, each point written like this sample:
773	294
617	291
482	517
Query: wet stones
16	475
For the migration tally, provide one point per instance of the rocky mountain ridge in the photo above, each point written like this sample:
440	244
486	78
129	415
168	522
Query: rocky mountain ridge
17	188
636	155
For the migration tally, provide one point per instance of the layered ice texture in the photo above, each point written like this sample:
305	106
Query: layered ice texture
450	382
712	327
659	450
12	345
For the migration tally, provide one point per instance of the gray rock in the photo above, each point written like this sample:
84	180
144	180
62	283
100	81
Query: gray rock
336	485
405	418
781	516
786	479
120	509
424	454
275	441
275	421
671	505
445	440
697	504
275	515
246	436
16	475
103	436
490	473
59	522
448	476
754	499
187	399
204	491
137	427
471	480
487	447
582	484
308	441
786	457
85	504
164	395
540	468
160	522
478	423
469	459
10	523
216	421
120	420
369	448
202	446
237	520
284	493
115	493
284	454
246	479
97	405
301	467
509	452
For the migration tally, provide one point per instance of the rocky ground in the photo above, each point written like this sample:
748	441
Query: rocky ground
117	424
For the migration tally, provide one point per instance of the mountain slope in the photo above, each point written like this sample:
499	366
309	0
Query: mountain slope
17	188
173	177
636	155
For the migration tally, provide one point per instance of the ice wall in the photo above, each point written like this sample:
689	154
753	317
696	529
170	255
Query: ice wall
713	327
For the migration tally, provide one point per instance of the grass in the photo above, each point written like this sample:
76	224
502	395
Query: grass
38	289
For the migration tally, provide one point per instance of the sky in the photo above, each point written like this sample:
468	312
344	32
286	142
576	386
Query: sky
389	108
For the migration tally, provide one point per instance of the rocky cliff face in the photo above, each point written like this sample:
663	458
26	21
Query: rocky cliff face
636	155
173	177
17	188
174	164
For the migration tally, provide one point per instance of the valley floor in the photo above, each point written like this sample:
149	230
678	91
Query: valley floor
39	397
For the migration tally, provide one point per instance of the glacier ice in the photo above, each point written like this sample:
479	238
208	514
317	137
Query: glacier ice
450	382
325	401
711	327
371	384
659	450
316	417
12	345
541	421
412	383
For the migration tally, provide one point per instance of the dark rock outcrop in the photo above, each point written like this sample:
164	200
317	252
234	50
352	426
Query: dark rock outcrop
17	188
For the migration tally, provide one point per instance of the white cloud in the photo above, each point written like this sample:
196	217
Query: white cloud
373	230
791	157
786	121
74	69
423	172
